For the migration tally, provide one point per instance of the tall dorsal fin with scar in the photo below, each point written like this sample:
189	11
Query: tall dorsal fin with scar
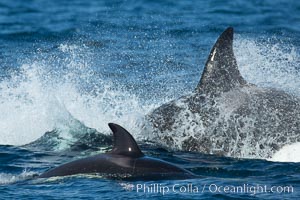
221	72
124	143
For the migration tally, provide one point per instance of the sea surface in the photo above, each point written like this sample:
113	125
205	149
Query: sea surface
69	67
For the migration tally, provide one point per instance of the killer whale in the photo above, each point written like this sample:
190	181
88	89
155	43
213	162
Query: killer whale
124	161
225	114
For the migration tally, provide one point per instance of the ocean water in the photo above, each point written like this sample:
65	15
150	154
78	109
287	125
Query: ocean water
70	67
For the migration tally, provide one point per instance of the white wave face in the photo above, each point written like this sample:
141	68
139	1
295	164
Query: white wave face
49	93
288	153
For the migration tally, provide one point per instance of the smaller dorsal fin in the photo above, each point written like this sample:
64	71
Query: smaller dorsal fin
221	72
124	143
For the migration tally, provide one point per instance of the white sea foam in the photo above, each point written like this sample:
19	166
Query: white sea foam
288	153
49	93
6	178
269	62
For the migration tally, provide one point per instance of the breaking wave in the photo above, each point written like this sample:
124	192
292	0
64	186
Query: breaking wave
288	153
62	92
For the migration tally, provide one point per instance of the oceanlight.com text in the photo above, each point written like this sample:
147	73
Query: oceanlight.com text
250	189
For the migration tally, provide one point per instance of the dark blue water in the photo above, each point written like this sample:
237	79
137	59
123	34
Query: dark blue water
67	66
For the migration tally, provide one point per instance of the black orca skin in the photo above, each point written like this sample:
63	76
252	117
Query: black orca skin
125	161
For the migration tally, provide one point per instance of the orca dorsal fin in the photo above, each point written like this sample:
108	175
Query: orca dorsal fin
124	143
221	72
